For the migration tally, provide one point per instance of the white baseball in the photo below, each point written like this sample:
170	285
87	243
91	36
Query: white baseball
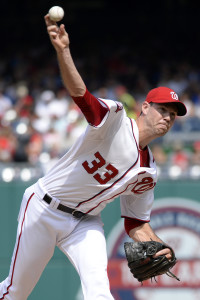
56	13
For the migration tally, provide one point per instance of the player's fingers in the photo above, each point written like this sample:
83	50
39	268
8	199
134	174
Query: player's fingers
53	35
52	28
62	29
169	256
48	21
166	252
63	32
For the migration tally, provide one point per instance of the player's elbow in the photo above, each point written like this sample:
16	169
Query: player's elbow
78	91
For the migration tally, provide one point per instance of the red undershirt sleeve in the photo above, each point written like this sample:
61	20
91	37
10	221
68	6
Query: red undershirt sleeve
93	110
144	157
132	223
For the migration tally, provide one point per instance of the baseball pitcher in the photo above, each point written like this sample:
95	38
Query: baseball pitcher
111	159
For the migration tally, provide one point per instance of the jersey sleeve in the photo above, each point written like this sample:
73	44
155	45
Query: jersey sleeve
137	207
93	108
130	223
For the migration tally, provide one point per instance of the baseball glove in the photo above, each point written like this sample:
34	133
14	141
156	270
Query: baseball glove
142	264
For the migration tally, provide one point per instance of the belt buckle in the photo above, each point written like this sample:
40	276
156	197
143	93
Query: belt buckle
77	214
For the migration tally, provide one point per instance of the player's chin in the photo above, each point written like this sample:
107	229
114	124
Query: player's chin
162	131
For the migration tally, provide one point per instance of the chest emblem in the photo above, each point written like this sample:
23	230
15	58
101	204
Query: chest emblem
144	185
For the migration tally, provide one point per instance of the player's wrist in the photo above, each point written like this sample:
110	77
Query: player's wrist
63	49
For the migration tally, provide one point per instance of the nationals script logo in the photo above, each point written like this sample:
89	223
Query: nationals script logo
177	222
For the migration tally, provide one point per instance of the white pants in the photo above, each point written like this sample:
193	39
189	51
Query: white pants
40	229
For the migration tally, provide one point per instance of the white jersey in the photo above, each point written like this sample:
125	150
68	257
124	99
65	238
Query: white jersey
103	164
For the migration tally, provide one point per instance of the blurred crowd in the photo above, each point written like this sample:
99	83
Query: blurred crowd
39	121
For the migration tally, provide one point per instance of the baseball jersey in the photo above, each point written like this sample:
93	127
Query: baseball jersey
103	164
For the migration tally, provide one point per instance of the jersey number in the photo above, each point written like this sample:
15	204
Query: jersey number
97	164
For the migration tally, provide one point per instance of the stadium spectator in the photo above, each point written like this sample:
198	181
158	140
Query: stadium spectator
195	157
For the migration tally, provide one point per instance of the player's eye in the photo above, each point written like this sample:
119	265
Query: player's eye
172	116
162	110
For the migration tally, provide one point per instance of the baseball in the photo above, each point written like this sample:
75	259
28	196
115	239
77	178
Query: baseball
56	13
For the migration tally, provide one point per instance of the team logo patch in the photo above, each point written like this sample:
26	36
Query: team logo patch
174	96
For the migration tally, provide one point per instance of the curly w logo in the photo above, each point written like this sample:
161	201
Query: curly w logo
174	95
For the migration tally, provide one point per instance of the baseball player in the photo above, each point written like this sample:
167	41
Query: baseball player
109	160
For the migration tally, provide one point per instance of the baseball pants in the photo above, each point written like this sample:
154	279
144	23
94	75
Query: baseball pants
40	229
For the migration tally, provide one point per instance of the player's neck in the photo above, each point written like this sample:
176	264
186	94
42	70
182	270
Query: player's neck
145	136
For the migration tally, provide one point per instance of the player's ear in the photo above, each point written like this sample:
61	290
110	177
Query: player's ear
145	107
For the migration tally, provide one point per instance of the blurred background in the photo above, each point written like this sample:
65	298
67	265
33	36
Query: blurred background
121	50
